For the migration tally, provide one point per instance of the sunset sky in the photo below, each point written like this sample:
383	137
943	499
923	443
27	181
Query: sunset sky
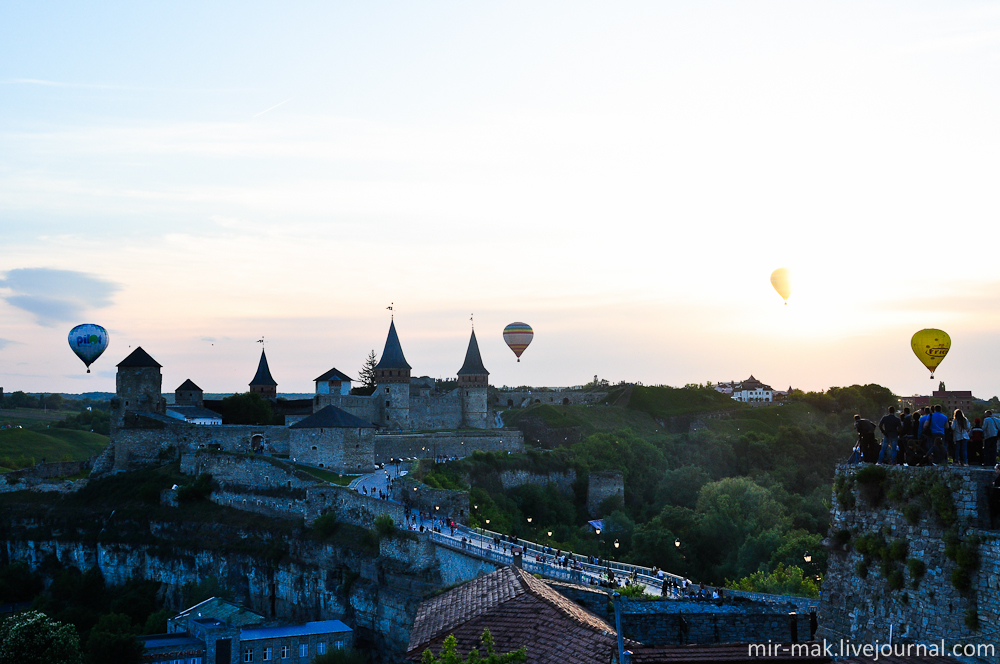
623	177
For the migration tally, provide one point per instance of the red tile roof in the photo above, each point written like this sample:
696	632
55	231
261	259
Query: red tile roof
519	610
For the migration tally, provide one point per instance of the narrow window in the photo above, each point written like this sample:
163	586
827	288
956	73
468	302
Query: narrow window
267	654
303	649
284	652
321	648
248	655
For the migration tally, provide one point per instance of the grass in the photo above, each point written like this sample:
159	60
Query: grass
590	419
671	401
26	447
326	475
32	416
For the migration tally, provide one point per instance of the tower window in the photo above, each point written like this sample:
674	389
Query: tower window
387	403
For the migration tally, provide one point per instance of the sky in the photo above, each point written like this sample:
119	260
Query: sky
622	177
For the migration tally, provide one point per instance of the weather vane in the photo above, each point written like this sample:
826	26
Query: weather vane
391	304
261	341
472	319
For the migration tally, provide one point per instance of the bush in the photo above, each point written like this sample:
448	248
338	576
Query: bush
912	512
342	657
898	550
200	489
326	525
917	570
960	579
861	569
872	481
972	619
896	580
385	526
842	536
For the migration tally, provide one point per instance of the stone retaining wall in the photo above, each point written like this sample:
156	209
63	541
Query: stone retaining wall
672	622
447	443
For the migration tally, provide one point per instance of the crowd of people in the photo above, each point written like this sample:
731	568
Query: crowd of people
927	437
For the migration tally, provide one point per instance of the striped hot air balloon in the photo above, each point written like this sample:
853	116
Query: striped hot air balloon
518	336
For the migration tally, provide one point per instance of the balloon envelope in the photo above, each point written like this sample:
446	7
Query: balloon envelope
88	341
518	336
930	346
781	279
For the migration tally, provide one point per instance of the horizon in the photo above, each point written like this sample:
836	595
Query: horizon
623	179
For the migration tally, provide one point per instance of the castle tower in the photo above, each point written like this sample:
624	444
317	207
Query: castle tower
189	394
392	374
473	383
262	382
138	386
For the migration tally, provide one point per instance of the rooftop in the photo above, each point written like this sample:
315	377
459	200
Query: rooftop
332	417
188	385
473	360
194	412
139	358
519	610
263	375
334	374
392	354
309	628
218	608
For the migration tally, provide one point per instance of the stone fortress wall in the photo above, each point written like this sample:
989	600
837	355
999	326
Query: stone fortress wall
137	446
563	481
600	487
557	397
914	552
446	443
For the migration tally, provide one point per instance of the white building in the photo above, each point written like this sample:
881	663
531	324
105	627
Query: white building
333	382
750	390
194	414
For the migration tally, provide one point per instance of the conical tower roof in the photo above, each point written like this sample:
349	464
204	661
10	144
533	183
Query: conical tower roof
263	376
473	360
392	355
139	358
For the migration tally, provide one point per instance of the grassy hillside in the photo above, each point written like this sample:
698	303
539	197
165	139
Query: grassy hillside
671	401
20	448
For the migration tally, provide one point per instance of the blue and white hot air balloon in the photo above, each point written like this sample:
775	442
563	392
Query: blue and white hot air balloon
88	341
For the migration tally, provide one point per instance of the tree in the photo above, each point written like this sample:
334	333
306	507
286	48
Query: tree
367	373
32	637
113	640
782	581
449	653
246	408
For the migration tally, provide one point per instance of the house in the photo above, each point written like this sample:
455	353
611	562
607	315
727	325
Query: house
750	390
335	439
333	382
220	632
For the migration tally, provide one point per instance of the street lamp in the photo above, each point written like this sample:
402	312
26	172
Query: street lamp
677	543
616	544
808	557
597	531
529	519
550	533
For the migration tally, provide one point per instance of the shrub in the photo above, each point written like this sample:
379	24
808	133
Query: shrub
898	550
326	525
942	503
960	579
972	619
385	526
872	481
197	490
896	580
842	536
861	569
912	512
917	570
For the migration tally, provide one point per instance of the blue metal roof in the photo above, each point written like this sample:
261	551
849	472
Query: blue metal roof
332	417
318	627
392	355
263	375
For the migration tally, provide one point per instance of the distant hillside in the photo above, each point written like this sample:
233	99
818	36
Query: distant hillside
673	401
20	448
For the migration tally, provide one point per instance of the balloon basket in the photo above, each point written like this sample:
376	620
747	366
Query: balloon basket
88	370
518	359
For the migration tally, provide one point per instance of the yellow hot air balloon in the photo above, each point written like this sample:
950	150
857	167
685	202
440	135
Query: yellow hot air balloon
781	279
930	346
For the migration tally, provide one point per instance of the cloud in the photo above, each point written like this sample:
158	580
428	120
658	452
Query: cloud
56	296
6	342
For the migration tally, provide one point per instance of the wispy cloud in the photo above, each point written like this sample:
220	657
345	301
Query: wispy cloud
56	296
273	107
6	342
61	84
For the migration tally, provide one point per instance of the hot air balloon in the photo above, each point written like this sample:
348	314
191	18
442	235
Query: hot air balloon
930	346
88	341
781	279
518	336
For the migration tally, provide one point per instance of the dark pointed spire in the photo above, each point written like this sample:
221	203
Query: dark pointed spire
392	355
473	360
263	376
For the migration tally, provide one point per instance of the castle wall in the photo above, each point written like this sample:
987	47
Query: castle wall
446	443
602	486
436	502
139	446
475	411
254	471
455	567
393	403
563	481
658	623
340	449
524	398
862	600
436	412
364	407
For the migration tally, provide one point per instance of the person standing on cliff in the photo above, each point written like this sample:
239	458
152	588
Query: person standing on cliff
866	437
889	426
991	428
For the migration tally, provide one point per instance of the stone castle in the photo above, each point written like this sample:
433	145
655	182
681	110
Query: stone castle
344	432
